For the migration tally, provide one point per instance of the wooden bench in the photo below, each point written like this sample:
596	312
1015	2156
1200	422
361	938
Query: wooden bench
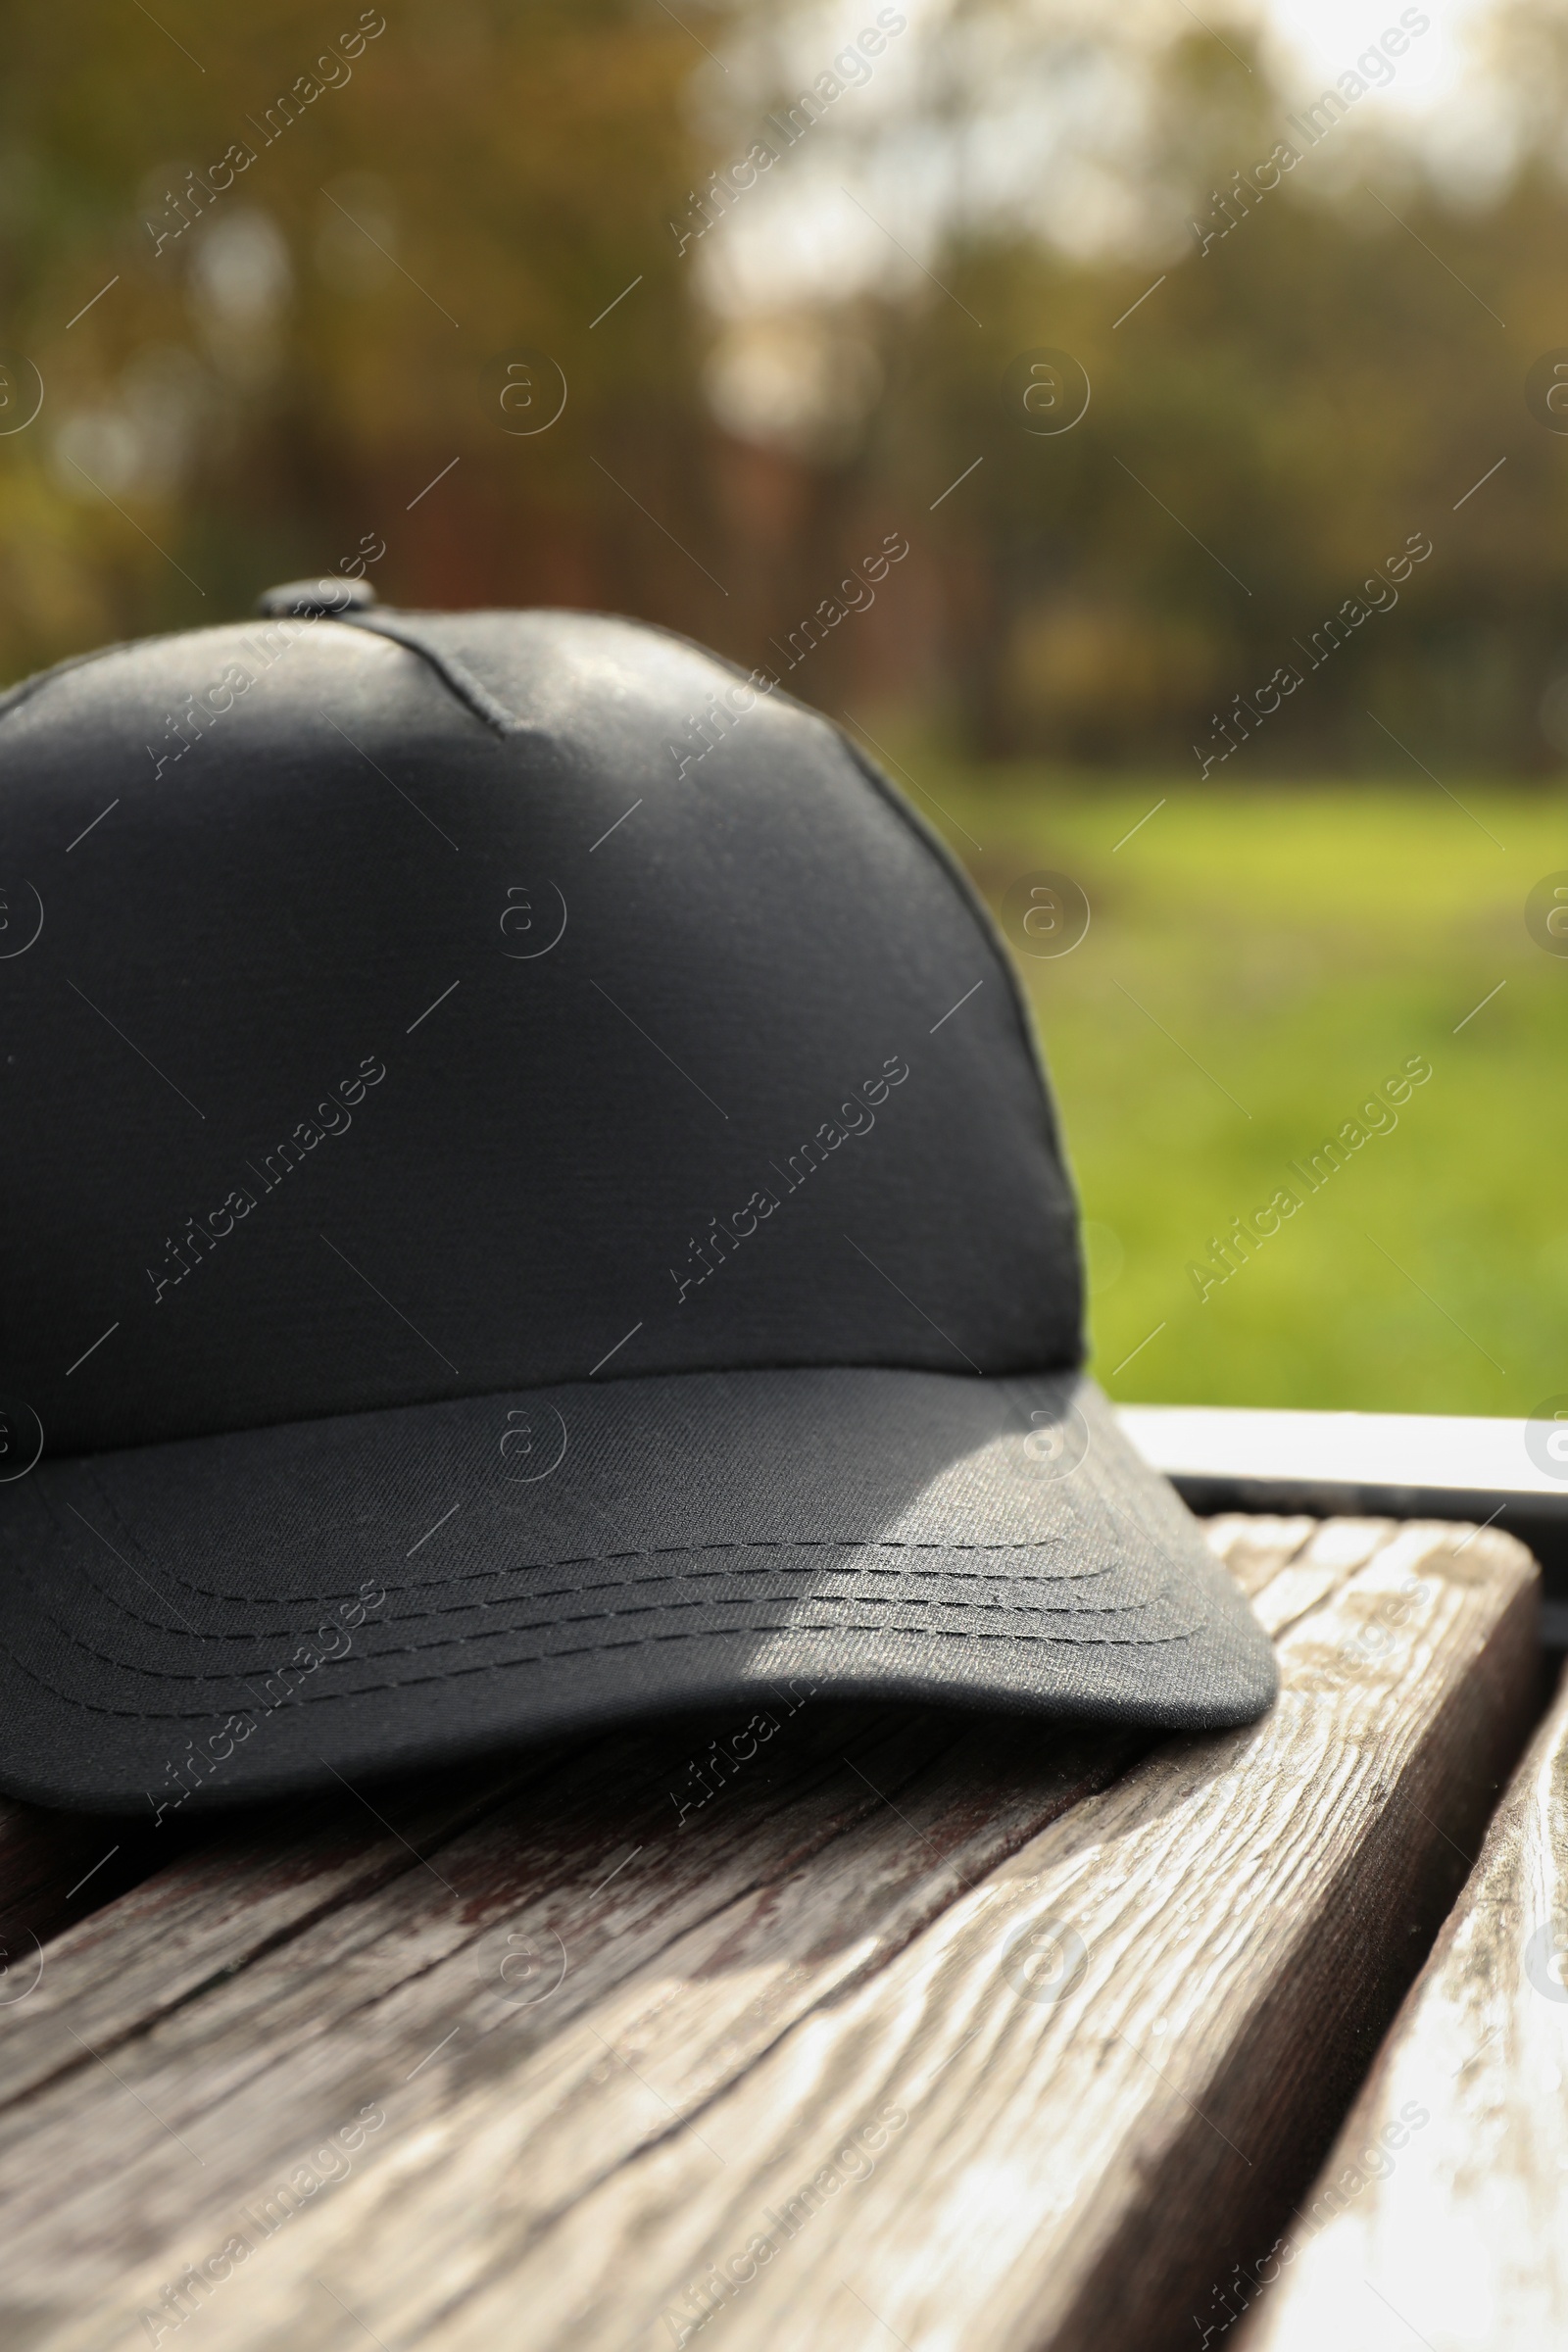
830	2028
1441	2201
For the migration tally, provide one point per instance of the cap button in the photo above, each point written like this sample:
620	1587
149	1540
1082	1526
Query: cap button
315	599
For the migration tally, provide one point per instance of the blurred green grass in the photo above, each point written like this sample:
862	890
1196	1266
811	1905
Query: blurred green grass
1301	943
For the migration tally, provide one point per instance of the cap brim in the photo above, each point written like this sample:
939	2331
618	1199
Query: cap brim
235	1617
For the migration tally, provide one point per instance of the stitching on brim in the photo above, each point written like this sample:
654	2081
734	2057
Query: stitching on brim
576	1559
631	1584
594	1649
584	1617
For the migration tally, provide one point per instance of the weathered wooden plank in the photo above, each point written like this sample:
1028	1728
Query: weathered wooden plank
1063	2161
405	1983
1067	2171
1317	1568
386	1926
1255	1548
1439	2217
212	1911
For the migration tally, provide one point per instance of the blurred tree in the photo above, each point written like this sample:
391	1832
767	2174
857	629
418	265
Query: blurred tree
1304	350
282	351
1292	370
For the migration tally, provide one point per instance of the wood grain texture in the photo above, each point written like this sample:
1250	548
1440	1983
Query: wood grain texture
209	1912
1254	1548
609	2036
1440	2216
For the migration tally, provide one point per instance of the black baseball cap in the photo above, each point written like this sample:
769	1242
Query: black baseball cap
531	1201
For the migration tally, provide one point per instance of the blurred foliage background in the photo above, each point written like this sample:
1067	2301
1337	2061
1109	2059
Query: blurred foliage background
249	369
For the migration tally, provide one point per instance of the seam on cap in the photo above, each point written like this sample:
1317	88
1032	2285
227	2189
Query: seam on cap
455	675
929	838
996	1381
26	688
979	913
985	923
